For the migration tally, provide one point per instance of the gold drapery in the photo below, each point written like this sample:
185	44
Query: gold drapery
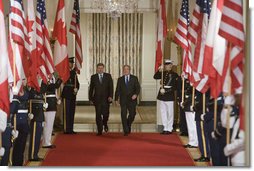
115	42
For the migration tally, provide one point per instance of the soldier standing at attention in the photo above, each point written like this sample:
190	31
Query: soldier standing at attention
69	94
37	106
166	95
50	113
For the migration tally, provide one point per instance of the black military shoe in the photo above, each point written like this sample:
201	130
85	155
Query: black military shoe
189	146
50	146
166	132
106	128
99	134
202	159
184	134
73	132
125	134
36	159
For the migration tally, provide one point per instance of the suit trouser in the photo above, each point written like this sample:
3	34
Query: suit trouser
203	140
167	114
6	143
102	115
127	121
214	146
48	127
192	130
35	139
183	123
20	142
69	114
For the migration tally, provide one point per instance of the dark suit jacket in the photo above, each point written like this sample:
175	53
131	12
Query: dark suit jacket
125	93
99	93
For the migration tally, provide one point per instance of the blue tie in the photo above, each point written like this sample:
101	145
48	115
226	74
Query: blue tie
126	80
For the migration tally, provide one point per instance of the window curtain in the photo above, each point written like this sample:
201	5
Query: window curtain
115	42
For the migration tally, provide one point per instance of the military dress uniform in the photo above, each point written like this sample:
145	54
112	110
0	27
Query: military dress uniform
167	99
220	133
208	118
50	112
190	116
69	94
36	107
202	132
7	135
23	129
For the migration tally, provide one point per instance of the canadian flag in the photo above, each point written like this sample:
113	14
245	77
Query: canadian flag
61	60
162	33
215	58
4	97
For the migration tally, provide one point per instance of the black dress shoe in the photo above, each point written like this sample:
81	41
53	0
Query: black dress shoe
184	134
106	128
50	146
189	146
166	132
67	132
202	159
36	159
129	129
99	134
125	134
53	134
73	132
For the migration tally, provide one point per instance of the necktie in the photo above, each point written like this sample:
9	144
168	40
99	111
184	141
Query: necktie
126	80
101	78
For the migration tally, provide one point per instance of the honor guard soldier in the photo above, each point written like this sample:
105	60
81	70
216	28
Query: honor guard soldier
190	115
69	94
37	106
7	137
22	127
203	140
209	118
220	134
182	122
166	95
50	112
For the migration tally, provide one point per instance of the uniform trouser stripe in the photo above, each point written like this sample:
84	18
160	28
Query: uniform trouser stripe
203	138
64	115
33	140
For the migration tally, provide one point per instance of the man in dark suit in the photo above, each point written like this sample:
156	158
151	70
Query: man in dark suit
127	90
101	95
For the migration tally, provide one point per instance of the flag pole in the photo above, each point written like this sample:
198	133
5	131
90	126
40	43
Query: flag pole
14	65
193	97
229	107
202	127
183	84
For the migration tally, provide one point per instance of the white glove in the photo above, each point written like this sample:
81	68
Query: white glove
181	104
3	121
235	147
59	101
202	116
192	108
75	90
43	124
15	90
2	150
213	135
15	134
162	91
160	68
45	105
30	116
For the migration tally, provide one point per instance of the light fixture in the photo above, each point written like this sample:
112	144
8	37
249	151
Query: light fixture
115	7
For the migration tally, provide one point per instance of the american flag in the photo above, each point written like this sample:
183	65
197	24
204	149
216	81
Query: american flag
197	35
181	37
43	41
75	29
18	42
4	98
232	29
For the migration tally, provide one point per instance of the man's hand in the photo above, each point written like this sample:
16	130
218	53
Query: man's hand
110	99
134	97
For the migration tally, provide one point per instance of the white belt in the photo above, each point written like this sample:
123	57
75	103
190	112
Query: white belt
187	96
167	86
15	100
51	95
23	111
